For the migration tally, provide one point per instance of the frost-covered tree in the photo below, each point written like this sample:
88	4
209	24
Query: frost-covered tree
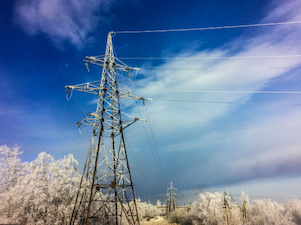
208	209
158	203
11	171
52	187
147	210
292	210
267	212
63	186
44	194
10	167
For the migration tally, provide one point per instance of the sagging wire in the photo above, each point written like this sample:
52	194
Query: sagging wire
138	166
137	131
87	66
206	28
71	93
83	133
136	74
154	140
149	143
70	97
79	129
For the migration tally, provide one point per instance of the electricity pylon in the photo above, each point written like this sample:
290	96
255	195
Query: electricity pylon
227	207
106	193
171	201
244	211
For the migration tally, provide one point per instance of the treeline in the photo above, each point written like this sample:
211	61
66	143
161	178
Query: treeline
42	192
209	209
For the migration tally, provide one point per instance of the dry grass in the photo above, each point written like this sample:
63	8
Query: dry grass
157	222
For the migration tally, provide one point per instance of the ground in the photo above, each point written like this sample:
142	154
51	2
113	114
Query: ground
157	221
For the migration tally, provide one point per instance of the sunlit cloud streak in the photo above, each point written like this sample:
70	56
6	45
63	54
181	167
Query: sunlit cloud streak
220	156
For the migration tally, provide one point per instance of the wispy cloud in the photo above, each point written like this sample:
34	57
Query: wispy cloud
252	154
61	20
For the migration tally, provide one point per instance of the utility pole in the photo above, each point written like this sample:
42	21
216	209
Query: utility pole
227	207
244	211
171	201
106	194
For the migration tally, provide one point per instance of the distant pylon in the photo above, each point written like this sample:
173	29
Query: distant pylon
244	211
171	202
227	208
106	193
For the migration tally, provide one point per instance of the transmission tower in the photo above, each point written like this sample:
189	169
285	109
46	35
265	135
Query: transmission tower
171	202
227	208
244	211
106	193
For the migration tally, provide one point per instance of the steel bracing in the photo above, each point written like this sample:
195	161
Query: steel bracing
227	208
171	202
244	211
106	194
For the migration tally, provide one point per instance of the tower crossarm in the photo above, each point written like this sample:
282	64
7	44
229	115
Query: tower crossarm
129	95
94	120
95	87
126	93
103	61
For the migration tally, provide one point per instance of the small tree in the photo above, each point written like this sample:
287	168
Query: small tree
265	211
11	171
208	209
159	203
147	210
292	210
10	167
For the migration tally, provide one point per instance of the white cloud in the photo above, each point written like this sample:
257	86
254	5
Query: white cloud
279	190
214	154
223	74
61	20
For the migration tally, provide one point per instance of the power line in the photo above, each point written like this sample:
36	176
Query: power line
212	57
156	163
134	158
206	28
239	68
78	108
226	125
232	92
139	168
271	197
154	140
221	102
81	112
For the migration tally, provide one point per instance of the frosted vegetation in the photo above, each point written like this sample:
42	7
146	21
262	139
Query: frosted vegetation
208	209
41	192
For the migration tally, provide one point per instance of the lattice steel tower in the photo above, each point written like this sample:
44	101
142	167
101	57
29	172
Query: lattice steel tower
227	208
171	202
106	193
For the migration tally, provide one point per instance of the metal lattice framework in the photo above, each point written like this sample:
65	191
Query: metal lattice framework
106	193
227	208
244	211
171	203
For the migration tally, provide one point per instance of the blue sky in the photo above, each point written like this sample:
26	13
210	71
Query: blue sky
199	140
